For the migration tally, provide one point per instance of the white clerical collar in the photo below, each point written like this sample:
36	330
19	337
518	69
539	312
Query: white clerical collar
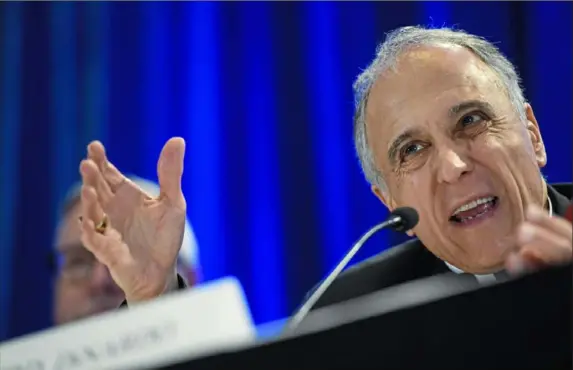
491	277
480	278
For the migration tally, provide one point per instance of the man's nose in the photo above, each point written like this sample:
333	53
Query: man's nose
452	163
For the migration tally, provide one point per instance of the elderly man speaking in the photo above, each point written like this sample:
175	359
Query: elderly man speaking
441	126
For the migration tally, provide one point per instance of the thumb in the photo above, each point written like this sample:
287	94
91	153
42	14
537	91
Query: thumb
523	262
170	168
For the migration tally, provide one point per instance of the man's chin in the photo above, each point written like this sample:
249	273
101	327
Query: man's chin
93	310
489	264
106	304
102	309
486	254
482	260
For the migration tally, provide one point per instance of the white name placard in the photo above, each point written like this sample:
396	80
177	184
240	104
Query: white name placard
192	322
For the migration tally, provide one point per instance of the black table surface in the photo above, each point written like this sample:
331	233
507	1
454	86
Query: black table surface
444	322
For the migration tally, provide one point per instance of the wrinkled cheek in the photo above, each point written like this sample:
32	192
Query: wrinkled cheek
497	153
414	192
399	190
64	308
68	300
514	147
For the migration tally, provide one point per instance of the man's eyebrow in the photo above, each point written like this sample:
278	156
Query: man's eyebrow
452	112
393	149
469	104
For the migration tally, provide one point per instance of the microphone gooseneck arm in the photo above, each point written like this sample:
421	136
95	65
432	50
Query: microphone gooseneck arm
315	296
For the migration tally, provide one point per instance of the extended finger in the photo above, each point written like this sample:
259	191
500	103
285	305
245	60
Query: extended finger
540	243
108	249
170	168
96	152
557	225
94	241
91	210
91	176
518	264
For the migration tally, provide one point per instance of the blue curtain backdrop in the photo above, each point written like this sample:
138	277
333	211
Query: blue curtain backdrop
262	94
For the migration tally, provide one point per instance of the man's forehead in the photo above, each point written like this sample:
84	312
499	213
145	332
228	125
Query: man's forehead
430	69
427	83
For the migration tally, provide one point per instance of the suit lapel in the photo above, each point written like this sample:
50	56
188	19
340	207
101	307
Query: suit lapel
559	201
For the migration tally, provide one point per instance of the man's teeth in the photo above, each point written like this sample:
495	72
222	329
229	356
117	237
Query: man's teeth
473	204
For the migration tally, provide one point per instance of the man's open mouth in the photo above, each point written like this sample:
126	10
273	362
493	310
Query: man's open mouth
474	210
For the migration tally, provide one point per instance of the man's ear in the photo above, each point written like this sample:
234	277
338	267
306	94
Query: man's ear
535	136
388	201
383	197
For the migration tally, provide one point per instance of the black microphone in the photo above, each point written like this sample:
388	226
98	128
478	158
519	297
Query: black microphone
401	219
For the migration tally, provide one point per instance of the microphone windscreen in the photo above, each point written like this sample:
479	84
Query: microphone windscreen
409	218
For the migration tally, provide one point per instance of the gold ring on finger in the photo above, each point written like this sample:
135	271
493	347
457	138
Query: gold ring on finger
102	226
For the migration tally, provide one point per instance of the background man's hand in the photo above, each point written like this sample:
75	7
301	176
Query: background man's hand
542	241
142	241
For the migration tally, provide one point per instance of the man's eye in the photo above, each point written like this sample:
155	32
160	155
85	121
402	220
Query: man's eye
75	261
471	119
411	149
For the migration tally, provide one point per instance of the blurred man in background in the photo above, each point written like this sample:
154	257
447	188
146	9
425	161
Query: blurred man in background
83	285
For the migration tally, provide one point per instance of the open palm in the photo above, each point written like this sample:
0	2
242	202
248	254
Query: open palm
142	259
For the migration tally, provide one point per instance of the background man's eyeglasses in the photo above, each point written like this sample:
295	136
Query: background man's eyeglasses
76	263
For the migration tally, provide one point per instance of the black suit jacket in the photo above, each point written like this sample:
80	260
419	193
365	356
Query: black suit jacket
406	262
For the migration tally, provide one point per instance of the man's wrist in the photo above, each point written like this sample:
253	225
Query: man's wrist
169	286
172	284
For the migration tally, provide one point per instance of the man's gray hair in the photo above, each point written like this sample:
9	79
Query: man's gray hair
407	38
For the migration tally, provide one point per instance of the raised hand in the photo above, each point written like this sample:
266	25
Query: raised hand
136	236
542	241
